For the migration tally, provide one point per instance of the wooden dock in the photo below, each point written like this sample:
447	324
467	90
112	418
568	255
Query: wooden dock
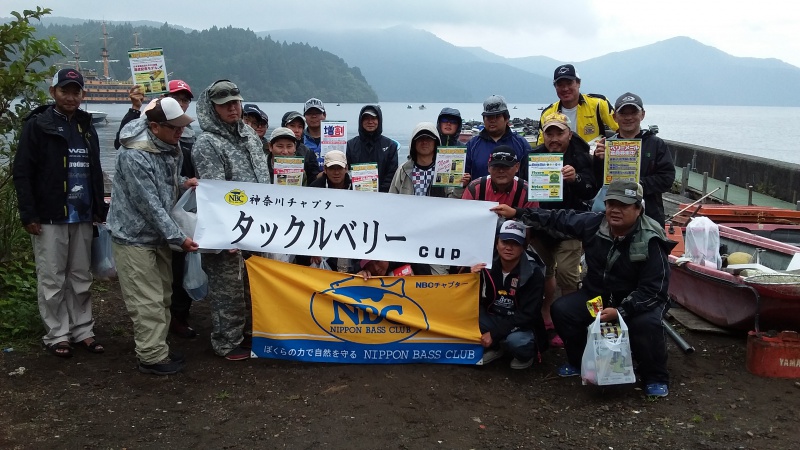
736	195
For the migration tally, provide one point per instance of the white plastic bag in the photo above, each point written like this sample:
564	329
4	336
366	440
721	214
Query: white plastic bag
322	265
195	280
184	213
702	242
607	357
103	266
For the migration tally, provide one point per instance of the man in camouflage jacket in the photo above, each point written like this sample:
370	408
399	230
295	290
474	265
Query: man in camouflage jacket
145	188
228	150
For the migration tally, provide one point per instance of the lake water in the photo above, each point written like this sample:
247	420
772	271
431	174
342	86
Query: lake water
760	131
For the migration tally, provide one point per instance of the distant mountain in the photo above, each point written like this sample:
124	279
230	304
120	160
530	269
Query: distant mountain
56	20
406	64
263	69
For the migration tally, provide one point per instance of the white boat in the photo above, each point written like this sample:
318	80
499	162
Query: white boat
98	117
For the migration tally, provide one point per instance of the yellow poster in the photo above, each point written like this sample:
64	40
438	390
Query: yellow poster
307	314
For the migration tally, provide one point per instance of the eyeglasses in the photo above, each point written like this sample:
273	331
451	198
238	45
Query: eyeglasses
449	120
503	156
226	93
167	125
181	98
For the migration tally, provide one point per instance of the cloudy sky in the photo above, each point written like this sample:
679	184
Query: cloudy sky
572	30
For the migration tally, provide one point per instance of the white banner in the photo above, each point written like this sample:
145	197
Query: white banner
342	223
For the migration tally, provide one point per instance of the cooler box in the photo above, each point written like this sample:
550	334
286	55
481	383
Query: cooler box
774	355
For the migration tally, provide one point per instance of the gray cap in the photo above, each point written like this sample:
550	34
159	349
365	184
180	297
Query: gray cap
281	132
314	103
494	106
223	91
627	192
629	98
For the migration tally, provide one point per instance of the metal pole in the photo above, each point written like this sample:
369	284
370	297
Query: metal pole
685	181
749	195
685	346
725	193
798	206
705	183
694	161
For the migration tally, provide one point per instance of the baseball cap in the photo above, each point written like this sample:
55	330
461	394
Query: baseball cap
180	85
629	98
290	117
314	103
494	105
511	230
555	119
66	76
168	110
251	109
370	111
223	91
503	155
627	192
282	132
565	71
335	158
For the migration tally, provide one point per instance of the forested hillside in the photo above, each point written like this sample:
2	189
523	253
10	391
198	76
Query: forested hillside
265	70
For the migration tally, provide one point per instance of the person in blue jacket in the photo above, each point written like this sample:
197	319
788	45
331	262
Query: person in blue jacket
496	132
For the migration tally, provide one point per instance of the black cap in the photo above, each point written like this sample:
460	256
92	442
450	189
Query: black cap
250	108
503	155
67	76
628	98
565	71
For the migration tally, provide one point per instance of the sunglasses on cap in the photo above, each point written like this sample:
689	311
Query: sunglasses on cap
226	93
493	107
503	156
449	120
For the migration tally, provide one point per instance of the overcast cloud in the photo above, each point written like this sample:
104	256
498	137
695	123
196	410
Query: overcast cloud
567	30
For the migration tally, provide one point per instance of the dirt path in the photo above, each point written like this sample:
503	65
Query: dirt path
103	402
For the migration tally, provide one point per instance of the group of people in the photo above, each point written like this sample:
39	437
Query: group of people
538	246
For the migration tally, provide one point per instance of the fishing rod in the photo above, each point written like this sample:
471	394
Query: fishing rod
692	204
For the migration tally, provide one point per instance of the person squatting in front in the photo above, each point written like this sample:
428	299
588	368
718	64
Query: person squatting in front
227	150
511	294
626	254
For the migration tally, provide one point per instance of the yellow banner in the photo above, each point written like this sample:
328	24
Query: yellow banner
307	314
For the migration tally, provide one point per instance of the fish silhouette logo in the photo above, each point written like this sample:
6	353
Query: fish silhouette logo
352	311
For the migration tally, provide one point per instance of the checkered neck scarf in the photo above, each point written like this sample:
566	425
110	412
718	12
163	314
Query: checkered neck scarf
422	178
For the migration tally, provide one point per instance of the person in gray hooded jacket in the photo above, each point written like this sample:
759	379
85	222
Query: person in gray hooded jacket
145	188
227	149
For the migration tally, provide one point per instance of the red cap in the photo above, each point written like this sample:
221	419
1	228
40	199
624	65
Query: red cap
179	85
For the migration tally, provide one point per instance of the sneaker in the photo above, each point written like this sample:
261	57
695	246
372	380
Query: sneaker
238	354
490	355
656	390
166	366
517	364
556	342
181	328
176	356
567	370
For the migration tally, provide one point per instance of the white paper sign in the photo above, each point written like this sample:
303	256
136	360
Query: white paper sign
333	137
342	223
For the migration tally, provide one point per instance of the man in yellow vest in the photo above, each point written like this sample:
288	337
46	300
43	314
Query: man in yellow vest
588	114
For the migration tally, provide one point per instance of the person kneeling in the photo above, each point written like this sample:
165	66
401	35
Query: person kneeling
511	294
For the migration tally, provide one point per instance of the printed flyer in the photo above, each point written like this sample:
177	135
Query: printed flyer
450	163
365	177
149	70
545	180
288	170
622	160
334	137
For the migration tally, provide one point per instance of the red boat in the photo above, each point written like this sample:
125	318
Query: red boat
761	294
738	214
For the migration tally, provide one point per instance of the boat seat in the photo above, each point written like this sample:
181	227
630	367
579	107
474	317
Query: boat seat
676	234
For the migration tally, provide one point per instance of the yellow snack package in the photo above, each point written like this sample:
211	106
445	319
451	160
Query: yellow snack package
595	305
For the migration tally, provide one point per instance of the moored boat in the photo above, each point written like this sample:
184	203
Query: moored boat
739	214
742	296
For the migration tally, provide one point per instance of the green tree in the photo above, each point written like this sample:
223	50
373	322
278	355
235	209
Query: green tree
22	72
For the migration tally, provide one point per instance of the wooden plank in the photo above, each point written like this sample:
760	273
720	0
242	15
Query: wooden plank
693	322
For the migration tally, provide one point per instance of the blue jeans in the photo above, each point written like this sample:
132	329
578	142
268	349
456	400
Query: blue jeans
521	343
